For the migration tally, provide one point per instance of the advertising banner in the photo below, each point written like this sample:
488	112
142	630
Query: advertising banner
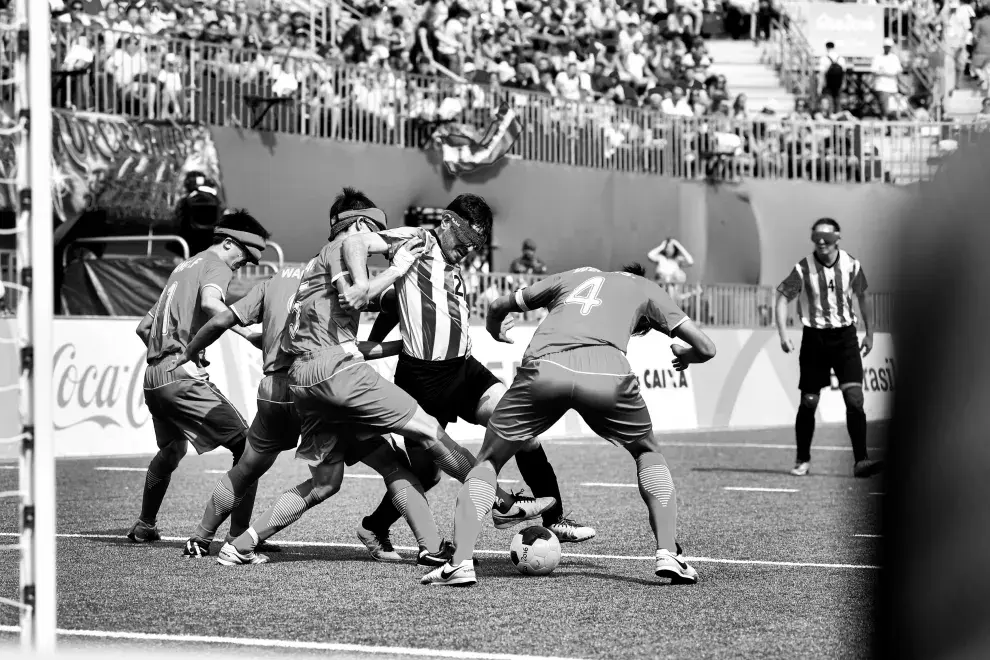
856	30
752	383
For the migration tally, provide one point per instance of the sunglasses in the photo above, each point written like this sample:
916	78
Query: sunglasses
829	237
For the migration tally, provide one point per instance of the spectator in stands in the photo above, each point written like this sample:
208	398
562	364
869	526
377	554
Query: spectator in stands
956	24
886	70
671	258
170	79
980	62
833	73
528	263
130	69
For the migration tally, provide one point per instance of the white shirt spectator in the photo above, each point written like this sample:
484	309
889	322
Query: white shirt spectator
125	66
568	86
627	40
679	109
171	79
636	65
80	55
886	68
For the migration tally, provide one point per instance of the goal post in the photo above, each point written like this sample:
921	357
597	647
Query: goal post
35	250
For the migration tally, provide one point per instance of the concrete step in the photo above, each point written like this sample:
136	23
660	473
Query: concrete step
964	103
736	52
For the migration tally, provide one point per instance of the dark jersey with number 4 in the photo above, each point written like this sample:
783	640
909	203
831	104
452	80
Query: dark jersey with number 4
589	307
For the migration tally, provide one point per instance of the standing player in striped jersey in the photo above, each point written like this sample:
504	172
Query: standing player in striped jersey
185	406
436	366
343	404
577	361
824	284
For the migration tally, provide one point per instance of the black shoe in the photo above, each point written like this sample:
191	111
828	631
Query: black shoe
439	558
867	468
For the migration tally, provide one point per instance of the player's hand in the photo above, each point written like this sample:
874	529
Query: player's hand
681	356
180	360
786	345
355	297
499	329
184	358
867	345
408	254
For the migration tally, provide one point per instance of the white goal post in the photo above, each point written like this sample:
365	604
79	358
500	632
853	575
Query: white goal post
35	310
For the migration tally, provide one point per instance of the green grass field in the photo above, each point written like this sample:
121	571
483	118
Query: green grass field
785	572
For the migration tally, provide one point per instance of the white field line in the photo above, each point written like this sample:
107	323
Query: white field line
602	484
868	536
576	555
290	644
753	489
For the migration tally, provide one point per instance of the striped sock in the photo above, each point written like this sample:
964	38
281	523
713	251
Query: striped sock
410	500
289	508
474	503
450	457
240	516
156	483
657	489
218	508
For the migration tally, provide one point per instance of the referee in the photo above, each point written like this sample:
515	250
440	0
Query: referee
824	283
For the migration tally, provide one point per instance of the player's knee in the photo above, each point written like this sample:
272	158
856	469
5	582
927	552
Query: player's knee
809	400
647	443
237	449
429	476
489	400
172	453
422	428
853	396
322	492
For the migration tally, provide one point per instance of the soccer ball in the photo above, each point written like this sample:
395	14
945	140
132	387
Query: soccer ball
535	551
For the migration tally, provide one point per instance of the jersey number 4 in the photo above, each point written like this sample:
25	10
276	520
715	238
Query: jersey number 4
586	295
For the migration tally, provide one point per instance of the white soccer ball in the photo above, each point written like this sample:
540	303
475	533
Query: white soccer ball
535	551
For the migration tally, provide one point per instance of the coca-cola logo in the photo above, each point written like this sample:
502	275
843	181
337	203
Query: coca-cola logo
106	394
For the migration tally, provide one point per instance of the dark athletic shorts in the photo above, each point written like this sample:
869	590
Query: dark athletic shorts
596	381
446	389
827	350
275	427
186	406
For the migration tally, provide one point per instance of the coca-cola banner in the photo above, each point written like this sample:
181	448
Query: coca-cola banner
133	170
99	369
856	30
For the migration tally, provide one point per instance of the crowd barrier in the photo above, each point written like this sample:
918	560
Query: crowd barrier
99	403
304	94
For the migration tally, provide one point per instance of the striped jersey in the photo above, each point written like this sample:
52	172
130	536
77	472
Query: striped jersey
591	308
825	292
177	316
433	313
268	303
316	320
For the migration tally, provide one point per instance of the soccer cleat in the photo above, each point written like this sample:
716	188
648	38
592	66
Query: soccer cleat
440	557
569	531
523	509
801	469
378	544
229	556
461	575
673	566
142	532
867	468
196	547
263	546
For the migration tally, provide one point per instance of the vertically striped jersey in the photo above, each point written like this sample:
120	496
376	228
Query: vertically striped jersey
177	316
825	292
591	308
433	313
316	320
268	303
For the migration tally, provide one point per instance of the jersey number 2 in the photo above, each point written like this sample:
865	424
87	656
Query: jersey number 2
586	295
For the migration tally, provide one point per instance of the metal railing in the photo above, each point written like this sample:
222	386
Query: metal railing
279	91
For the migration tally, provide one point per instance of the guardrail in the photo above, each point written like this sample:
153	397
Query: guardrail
280	91
716	305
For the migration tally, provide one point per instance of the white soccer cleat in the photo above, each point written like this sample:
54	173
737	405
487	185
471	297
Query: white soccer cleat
461	575
523	509
571	531
378	544
229	556
801	469
673	566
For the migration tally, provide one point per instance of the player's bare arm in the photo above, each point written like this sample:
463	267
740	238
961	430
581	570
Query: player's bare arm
700	347
866	313
144	328
497	321
374	350
206	337
780	320
388	317
363	290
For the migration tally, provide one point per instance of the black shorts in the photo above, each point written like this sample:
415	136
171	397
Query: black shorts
827	350
446	389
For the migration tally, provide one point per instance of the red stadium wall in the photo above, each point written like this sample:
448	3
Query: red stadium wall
738	233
